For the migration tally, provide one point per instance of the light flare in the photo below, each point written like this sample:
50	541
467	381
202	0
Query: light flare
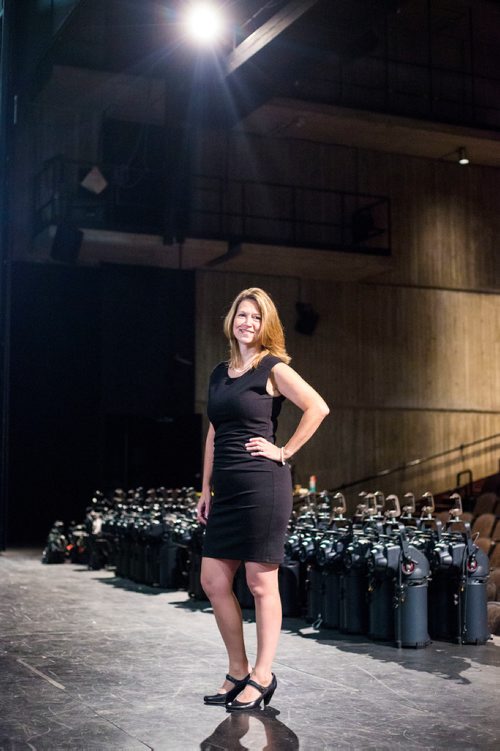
205	23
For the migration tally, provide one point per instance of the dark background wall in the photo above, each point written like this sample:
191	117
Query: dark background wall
102	387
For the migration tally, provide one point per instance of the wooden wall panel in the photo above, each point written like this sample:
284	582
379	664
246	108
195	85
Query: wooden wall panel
301	163
407	373
407	360
445	218
272	169
400	347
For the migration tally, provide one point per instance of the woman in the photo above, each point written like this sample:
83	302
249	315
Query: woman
248	516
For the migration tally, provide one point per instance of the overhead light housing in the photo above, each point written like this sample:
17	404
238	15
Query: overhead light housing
462	155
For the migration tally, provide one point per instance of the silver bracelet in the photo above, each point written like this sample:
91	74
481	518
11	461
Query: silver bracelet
282	452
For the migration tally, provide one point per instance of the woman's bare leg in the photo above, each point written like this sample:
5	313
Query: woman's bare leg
262	579
217	577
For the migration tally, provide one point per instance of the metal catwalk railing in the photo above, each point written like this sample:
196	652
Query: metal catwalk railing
416	462
213	208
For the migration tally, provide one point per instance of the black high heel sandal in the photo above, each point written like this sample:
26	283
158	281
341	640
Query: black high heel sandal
266	694
222	699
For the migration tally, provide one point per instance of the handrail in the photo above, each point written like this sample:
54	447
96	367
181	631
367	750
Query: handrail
236	207
215	207
415	462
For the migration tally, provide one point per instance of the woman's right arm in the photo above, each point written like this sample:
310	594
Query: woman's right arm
203	507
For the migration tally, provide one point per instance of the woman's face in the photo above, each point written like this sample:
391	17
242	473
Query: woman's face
247	323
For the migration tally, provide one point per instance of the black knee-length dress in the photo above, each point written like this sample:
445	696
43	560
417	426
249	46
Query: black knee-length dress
252	499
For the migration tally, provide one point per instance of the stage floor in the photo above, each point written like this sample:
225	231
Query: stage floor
90	662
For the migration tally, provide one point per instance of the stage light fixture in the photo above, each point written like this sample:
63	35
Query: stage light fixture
204	23
94	181
462	155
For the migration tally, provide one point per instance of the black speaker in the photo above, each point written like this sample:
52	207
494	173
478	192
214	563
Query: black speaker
66	244
307	318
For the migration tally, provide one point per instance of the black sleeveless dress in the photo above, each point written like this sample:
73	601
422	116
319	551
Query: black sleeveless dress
252	500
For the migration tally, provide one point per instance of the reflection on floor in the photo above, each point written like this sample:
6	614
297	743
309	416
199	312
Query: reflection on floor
90	662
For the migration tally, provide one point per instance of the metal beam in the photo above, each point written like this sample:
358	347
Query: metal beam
271	29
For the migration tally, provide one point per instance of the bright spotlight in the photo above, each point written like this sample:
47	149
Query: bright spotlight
204	23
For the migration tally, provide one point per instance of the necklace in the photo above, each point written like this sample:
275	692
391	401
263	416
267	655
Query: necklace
242	370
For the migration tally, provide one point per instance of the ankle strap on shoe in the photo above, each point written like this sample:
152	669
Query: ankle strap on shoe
237	680
258	686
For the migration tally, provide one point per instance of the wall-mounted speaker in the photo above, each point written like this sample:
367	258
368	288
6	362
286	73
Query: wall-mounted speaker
307	318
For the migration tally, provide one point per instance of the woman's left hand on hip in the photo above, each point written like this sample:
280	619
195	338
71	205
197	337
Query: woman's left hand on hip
258	446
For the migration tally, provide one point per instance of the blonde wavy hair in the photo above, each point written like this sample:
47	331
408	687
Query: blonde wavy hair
271	335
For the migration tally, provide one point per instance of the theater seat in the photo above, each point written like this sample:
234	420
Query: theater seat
493	585
485	504
495	557
491	591
484	525
485	543
495	535
494	618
